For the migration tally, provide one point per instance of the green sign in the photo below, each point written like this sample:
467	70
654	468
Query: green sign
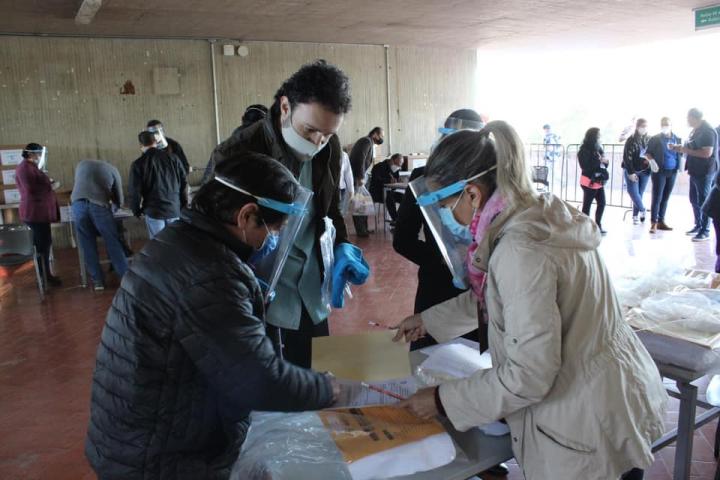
707	17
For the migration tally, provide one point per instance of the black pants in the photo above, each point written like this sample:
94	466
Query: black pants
634	474
598	195
391	201
716	225
297	344
361	225
662	187
42	239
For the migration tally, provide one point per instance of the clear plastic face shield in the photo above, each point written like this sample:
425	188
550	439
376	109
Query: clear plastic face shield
452	238
42	157
454	124
159	133
269	265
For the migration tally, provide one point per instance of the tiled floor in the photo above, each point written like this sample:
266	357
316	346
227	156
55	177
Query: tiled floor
47	350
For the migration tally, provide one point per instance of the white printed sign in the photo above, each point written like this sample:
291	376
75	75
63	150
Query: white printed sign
11	157
12	196
8	177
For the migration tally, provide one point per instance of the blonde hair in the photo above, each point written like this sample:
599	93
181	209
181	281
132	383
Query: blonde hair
466	153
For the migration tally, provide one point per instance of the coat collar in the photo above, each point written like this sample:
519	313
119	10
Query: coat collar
481	257
218	231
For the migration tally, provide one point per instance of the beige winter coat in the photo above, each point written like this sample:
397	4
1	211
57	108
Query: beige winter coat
580	393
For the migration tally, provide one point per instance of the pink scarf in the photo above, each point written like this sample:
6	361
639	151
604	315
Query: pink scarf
478	228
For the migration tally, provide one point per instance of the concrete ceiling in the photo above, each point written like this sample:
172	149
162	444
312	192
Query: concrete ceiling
442	23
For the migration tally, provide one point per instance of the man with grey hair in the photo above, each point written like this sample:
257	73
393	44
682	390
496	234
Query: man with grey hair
701	150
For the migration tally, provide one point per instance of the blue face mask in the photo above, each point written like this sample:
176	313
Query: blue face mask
268	246
459	231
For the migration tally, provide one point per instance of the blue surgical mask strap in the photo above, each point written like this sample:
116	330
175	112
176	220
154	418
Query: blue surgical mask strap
434	197
286	208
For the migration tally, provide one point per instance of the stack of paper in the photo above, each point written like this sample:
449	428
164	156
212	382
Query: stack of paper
456	360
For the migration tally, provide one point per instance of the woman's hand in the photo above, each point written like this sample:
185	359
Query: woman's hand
411	328
422	404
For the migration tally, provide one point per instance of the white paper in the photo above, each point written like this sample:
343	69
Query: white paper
421	456
12	196
460	340
457	360
11	157
495	429
8	177
353	394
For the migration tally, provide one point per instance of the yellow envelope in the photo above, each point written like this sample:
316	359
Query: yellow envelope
365	357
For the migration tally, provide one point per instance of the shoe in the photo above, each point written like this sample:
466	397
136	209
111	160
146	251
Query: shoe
636	221
642	217
663	226
701	237
98	287
54	281
693	232
499	470
653	228
717	265
603	232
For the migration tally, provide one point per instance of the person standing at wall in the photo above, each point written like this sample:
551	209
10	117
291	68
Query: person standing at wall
663	181
38	204
637	168
301	133
593	165
361	159
701	164
157	185
172	147
97	189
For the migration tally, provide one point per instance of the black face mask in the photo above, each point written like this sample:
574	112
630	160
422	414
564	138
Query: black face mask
379	141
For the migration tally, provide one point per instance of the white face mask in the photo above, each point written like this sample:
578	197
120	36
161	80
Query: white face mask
642	130
667	130
305	149
395	168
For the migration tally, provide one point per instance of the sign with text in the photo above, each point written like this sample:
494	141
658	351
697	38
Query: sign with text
707	17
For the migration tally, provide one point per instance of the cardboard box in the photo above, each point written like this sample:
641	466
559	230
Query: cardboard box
8	177
10	195
11	155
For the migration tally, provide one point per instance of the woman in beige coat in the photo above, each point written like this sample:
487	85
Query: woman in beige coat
581	395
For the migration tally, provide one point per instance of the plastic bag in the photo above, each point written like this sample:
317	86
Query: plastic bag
361	204
327	248
298	446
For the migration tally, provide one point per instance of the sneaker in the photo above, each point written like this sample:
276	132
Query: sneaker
636	221
664	227
693	232
642	217
98	287
653	228
54	281
701	237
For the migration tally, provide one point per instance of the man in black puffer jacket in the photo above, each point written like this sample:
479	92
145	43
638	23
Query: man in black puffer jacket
184	356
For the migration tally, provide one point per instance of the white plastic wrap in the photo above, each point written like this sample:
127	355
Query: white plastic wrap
327	248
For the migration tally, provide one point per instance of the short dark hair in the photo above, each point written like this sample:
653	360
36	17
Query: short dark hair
30	147
146	138
591	136
254	113
374	131
154	123
695	113
396	155
255	173
640	121
317	82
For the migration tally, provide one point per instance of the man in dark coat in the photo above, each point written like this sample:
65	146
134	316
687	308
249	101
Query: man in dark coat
361	158
184	356
173	146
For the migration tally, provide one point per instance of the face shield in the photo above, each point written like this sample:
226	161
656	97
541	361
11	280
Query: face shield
42	157
159	133
268	267
452	238
454	124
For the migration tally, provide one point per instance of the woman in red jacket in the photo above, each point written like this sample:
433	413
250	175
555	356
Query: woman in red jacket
38	205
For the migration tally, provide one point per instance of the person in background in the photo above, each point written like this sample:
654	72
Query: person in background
185	356
559	344
172	147
301	133
637	168
594	174
38	204
361	159
253	114
701	151
711	208
663	181
97	188
551	142
347	183
157	185
384	173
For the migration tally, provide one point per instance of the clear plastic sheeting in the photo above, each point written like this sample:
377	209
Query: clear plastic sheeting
690	315
299	446
327	246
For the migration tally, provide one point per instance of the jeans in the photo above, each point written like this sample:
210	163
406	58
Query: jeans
589	195
42	240
156	225
699	190
91	220
662	186
636	190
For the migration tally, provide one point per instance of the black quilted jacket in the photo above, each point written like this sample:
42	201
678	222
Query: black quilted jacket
184	358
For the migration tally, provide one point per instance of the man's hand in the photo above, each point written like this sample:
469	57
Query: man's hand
411	328
633	177
422	404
